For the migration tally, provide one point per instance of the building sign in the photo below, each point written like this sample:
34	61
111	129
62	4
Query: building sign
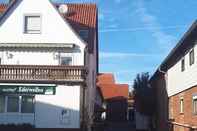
23	89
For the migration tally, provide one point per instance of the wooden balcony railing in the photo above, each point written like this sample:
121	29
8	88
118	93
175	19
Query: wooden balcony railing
42	74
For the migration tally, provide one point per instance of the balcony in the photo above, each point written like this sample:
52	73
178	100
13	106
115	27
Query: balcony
42	74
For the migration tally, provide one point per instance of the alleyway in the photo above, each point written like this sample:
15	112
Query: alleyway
120	127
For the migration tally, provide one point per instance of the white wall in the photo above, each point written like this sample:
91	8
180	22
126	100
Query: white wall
53	28
48	110
179	81
39	57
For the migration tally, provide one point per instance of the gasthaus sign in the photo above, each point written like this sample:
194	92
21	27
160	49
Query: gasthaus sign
23	89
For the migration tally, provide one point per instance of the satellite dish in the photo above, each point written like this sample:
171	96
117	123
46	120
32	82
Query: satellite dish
63	8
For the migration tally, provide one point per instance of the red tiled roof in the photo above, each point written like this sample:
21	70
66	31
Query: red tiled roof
110	91
105	78
85	14
3	7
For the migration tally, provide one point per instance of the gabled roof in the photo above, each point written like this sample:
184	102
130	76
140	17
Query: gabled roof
109	89
79	16
105	78
85	14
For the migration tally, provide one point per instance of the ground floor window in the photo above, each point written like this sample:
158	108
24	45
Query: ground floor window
17	104
12	104
195	105
27	105
2	104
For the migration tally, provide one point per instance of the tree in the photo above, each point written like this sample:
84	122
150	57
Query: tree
144	95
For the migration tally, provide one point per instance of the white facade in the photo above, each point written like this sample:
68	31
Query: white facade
178	80
54	31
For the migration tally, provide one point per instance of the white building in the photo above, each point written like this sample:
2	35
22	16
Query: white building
48	55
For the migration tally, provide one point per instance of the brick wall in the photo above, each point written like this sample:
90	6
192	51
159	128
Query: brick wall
187	117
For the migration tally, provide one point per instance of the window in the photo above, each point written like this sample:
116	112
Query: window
32	24
2	104
12	104
181	104
191	57
66	60
84	34
195	105
27	104
183	64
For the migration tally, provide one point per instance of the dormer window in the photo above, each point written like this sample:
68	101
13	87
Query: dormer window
32	24
84	34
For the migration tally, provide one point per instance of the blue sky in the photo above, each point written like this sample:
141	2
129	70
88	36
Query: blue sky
136	35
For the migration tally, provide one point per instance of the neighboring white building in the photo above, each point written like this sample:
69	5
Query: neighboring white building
175	84
48	56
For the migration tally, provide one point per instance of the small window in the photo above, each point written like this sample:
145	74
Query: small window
13	104
27	104
191	57
84	34
183	64
66	60
195	105
32	25
181	105
2	104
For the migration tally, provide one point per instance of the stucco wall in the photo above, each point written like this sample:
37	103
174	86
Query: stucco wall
40	57
54	29
49	108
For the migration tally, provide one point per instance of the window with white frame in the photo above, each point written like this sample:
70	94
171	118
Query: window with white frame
183	64
195	105
191	57
12	104
2	104
66	60
181	105
32	24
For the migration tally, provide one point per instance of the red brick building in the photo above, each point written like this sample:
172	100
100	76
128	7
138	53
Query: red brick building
175	82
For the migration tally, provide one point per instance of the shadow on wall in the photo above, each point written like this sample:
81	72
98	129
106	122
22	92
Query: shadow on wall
46	116
161	115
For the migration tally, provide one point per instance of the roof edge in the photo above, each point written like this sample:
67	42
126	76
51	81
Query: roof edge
180	42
